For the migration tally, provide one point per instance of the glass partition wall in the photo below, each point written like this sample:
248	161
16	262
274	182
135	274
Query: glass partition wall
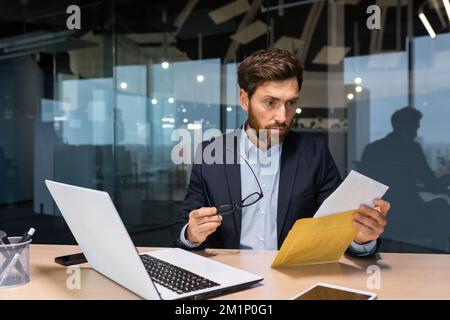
100	106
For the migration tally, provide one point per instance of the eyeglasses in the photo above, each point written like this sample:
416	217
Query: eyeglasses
252	198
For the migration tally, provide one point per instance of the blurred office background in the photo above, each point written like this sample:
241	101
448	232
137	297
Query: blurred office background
96	107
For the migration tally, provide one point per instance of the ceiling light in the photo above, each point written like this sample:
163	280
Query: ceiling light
447	8
194	126
427	25
168	119
165	65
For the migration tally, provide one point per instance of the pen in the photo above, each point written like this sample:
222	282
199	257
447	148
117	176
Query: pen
26	237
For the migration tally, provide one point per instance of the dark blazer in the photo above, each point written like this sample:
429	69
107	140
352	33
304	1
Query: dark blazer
308	176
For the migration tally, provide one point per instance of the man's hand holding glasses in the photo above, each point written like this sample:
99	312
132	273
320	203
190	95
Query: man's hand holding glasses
206	220
202	222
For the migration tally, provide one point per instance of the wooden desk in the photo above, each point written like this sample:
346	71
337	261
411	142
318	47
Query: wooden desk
403	276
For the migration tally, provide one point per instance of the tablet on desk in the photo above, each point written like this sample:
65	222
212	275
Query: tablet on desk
326	291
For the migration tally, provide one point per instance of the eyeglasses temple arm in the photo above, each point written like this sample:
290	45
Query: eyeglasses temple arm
253	172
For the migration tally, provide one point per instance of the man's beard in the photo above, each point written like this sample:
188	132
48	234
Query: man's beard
267	137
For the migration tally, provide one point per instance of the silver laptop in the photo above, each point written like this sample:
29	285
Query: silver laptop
166	274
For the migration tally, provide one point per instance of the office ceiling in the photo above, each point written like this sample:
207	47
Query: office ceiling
229	33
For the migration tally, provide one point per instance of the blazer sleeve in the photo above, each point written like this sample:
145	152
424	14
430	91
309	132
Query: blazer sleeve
195	198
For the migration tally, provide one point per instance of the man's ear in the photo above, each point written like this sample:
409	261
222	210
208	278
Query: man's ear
243	99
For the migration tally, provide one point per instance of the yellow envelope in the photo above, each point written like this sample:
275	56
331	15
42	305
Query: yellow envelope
317	240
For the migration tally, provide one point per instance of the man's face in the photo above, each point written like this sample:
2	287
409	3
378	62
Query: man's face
408	129
272	107
412	129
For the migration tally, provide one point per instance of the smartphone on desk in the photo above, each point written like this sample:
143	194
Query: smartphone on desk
71	259
326	291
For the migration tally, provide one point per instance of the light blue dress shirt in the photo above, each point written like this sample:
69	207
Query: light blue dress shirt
259	221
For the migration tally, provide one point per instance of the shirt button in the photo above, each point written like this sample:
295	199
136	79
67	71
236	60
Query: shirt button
261	238
263	212
264	185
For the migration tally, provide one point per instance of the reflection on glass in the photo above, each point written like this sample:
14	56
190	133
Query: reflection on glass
98	107
399	161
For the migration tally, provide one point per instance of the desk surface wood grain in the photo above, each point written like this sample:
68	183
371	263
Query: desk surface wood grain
402	276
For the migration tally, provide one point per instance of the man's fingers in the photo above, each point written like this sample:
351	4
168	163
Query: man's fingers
369	222
202	220
203	212
364	229
374	214
383	205
207	227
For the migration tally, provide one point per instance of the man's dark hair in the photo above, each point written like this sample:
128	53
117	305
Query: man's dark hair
406	116
268	65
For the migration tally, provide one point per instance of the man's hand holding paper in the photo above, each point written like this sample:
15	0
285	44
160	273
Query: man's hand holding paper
370	222
345	216
360	193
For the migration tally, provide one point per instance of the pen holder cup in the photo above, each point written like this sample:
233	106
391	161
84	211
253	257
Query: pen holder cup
14	263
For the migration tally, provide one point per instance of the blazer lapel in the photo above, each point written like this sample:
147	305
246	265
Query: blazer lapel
288	170
233	175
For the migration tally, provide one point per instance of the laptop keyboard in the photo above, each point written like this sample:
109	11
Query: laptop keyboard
173	277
